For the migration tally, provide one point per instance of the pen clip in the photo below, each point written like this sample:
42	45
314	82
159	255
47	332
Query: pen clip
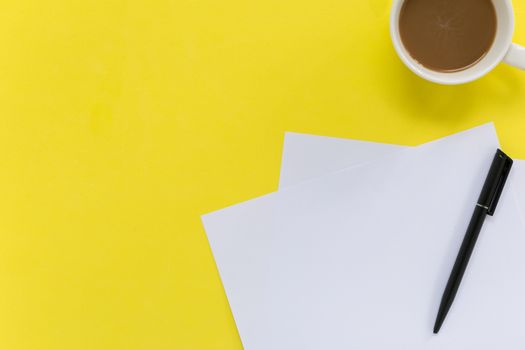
500	181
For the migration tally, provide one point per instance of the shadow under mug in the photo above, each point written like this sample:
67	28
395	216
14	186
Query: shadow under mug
502	48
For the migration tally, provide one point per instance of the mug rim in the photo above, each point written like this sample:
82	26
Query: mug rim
442	77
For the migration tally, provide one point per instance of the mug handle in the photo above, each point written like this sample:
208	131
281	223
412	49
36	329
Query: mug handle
515	56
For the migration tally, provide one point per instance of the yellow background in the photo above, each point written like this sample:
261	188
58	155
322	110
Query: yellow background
121	122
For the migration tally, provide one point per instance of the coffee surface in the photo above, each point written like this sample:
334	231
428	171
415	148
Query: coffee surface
447	35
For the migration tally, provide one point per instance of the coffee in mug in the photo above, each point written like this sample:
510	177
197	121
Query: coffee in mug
447	35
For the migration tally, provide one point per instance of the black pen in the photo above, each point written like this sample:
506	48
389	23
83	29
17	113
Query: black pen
488	199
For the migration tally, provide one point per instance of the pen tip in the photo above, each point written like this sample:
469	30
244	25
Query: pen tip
436	328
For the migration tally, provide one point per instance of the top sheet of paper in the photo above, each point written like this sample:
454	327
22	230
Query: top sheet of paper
518	178
306	157
359	258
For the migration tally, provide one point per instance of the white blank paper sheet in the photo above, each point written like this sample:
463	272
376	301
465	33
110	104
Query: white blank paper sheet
307	157
358	259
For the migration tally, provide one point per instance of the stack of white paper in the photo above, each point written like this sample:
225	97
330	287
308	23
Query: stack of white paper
355	249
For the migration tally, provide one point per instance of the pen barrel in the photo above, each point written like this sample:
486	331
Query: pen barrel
460	265
467	246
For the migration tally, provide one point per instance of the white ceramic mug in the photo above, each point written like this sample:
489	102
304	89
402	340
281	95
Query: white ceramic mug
502	48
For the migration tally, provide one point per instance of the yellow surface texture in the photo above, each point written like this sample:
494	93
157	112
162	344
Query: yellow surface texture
121	122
